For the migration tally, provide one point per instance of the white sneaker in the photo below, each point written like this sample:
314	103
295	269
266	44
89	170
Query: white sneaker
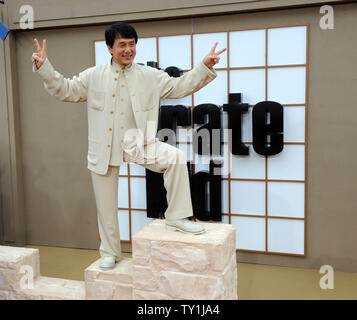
185	225
107	262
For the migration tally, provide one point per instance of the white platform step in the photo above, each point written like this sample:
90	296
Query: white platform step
165	265
46	288
175	265
114	284
20	278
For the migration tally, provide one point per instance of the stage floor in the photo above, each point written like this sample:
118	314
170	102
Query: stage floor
254	281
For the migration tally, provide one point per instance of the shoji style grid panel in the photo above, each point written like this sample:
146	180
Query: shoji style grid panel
265	197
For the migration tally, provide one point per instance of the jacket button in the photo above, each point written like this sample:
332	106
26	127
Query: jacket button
113	95
111	112
115	79
110	129
108	145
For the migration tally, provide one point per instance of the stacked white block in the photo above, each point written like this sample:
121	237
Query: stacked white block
165	265
113	284
15	263
173	265
20	278
46	288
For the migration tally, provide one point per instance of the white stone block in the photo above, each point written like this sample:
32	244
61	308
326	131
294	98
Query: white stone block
17	265
4	295
185	266
20	278
149	295
46	288
166	265
113	284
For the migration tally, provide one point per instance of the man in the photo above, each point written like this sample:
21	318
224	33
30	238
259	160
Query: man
123	104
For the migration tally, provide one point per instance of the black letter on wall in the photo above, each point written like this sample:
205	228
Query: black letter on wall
201	145
174	72
268	127
200	196
235	111
169	117
156	203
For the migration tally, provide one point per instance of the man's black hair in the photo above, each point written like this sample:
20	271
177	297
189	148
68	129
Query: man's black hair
120	30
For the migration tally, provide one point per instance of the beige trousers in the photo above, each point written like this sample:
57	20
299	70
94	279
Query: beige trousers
167	160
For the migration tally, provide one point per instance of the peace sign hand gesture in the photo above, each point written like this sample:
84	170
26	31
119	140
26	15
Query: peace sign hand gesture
41	55
213	57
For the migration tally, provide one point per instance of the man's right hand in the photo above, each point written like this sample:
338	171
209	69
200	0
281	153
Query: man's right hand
41	55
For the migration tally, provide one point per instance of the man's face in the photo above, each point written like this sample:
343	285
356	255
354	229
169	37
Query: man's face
123	51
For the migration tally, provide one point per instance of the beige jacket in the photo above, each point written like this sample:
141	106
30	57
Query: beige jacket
96	85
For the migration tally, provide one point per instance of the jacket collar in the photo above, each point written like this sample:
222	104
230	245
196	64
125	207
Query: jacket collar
117	68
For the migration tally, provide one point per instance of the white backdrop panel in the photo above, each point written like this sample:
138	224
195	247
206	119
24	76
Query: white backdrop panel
247	131
287	46
286	199
224	121
146	50
251	83
203	43
184	134
138	193
123	197
250	233
201	163
288	164
251	166
286	236
138	221
136	170
294	124
287	85
248	197
187	149
225	219
247	48
123	170
175	51
225	197
215	92
102	54
123	216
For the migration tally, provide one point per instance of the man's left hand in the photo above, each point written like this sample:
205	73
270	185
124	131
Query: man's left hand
213	57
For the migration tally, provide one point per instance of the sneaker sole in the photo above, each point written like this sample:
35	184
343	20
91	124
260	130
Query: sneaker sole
106	268
183	231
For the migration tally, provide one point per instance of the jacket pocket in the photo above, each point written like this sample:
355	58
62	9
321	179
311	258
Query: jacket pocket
96	100
148	107
93	150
